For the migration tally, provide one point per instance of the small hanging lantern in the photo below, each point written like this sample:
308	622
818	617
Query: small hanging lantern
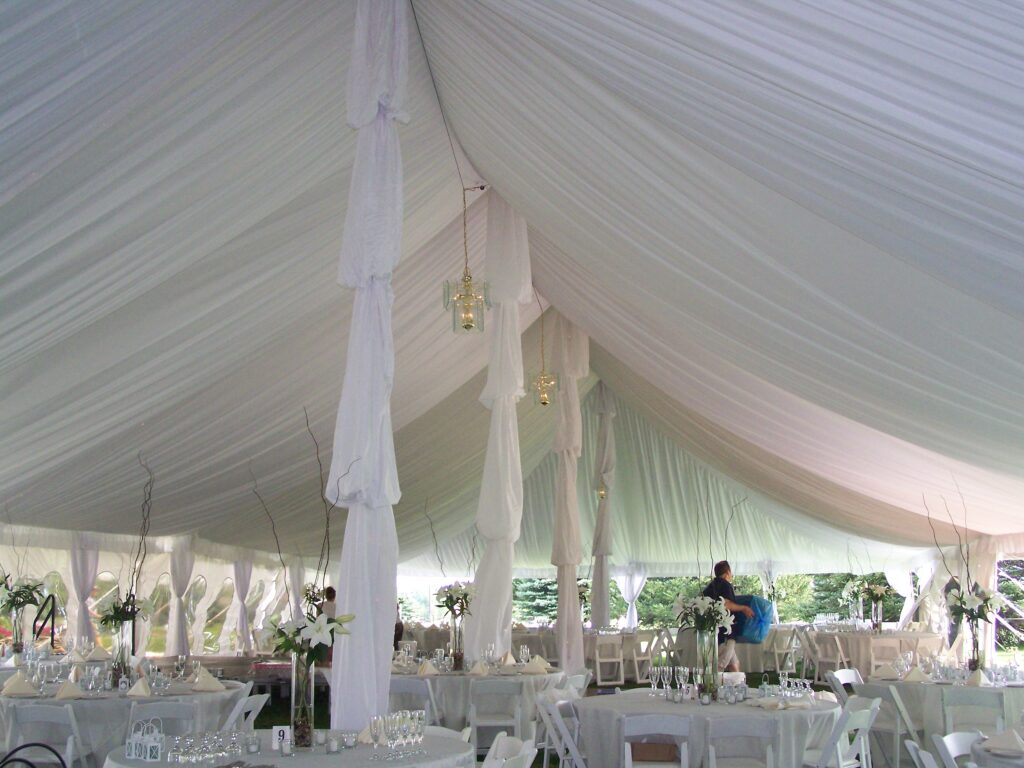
544	384
466	300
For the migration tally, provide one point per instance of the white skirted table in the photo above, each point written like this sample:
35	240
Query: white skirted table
451	692
103	718
441	752
601	725
924	702
857	645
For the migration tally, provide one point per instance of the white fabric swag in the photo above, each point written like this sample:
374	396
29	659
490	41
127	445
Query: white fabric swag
85	558
500	507
571	362
363	475
604	476
242	572
631	581
182	561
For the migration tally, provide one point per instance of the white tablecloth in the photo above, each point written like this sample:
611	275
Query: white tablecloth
451	692
442	752
103	719
924	703
601	719
857	645
988	760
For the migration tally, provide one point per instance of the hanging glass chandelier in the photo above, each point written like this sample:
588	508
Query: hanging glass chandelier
544	384
466	299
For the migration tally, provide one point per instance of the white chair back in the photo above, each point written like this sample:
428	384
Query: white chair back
954	745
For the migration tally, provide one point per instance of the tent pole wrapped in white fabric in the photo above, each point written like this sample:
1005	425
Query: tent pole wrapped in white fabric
500	507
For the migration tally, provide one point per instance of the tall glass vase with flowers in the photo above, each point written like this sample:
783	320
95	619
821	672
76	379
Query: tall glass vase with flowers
455	599
705	616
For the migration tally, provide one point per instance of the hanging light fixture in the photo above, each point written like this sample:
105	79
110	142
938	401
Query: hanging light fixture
544	384
466	299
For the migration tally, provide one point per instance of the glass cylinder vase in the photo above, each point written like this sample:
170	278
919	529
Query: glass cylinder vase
303	686
121	642
707	660
458	652
877	615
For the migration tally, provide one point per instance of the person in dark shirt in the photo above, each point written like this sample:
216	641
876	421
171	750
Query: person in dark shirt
721	587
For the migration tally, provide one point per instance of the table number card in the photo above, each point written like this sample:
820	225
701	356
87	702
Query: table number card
280	733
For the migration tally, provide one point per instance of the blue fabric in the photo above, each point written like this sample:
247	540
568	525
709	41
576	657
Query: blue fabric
755	629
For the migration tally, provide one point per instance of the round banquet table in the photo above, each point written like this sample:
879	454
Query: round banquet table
103	719
601	725
924	703
986	759
451	692
857	645
442	752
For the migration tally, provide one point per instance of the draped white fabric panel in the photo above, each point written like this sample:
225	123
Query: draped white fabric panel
631	581
183	559
363	475
571	361
604	479
85	558
500	507
242	574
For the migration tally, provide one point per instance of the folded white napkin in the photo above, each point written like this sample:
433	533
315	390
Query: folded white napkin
76	656
977	679
916	675
886	672
508	659
479	669
99	653
535	666
69	690
141	689
18	684
1007	741
427	668
207	683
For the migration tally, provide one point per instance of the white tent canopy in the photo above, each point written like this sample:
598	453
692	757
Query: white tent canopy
793	234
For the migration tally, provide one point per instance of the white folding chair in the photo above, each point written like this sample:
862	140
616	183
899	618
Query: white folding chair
894	718
561	721
840	678
419	689
184	713
729	729
608	652
642	727
882	651
848	745
640	656
495	704
954	745
23	721
920	757
990	700
243	715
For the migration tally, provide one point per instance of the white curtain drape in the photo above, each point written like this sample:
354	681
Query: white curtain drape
571	361
363	476
183	558
631	581
604	476
296	575
85	557
500	506
242	573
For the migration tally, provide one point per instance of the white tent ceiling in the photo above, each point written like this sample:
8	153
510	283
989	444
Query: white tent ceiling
795	232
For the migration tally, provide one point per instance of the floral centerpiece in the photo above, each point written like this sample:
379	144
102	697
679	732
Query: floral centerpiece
876	593
15	596
974	608
706	616
455	599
